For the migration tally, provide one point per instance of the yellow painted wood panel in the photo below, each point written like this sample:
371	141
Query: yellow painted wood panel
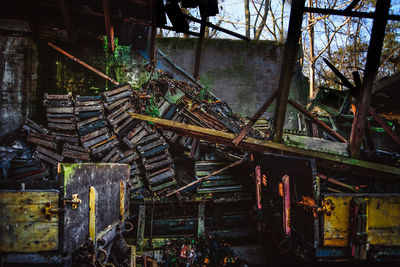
383	224
26	213
23	224
27	197
383	221
336	225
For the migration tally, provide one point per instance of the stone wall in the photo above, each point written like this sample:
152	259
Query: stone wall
243	74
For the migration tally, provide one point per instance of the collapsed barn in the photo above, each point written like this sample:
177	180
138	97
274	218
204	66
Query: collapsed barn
166	173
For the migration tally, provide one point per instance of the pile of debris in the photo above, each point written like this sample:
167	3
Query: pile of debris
100	129
206	251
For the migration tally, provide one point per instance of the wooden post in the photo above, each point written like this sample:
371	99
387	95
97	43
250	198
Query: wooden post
288	61
199	48
66	11
201	220
108	25
371	68
153	33
140	228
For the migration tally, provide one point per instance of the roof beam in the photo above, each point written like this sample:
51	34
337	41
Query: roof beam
325	160
218	28
288	62
347	13
108	25
371	68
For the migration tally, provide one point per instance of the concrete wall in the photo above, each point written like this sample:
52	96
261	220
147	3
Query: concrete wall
241	73
18	74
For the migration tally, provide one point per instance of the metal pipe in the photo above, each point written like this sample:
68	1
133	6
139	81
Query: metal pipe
82	63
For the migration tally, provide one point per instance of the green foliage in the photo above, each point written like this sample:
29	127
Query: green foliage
151	108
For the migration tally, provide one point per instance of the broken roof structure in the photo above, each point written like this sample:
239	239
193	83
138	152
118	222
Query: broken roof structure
169	169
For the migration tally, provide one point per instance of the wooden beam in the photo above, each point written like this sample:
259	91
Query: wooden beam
173	29
206	177
288	62
371	68
352	5
82	63
108	25
347	13
218	28
351	188
316	120
322	159
384	125
199	49
66	11
152	49
342	78
254	119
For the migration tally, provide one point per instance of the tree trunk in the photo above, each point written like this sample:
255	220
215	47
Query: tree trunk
311	51
247	16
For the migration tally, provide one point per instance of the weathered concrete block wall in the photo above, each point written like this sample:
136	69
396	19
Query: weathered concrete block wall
243	74
18	74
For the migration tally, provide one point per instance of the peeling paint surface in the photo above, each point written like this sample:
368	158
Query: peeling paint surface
18	73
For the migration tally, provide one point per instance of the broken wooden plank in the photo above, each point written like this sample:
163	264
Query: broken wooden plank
119	89
349	187
67	110
326	160
49	153
93	134
119	96
111	106
316	120
62	126
38	141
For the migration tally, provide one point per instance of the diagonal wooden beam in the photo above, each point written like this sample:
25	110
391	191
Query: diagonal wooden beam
371	68
206	177
384	125
325	160
316	120
108	25
82	63
288	61
255	118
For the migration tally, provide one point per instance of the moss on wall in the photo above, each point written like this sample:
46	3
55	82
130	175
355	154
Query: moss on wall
233	45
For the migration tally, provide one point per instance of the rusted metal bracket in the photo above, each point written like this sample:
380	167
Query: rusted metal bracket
49	212
74	200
